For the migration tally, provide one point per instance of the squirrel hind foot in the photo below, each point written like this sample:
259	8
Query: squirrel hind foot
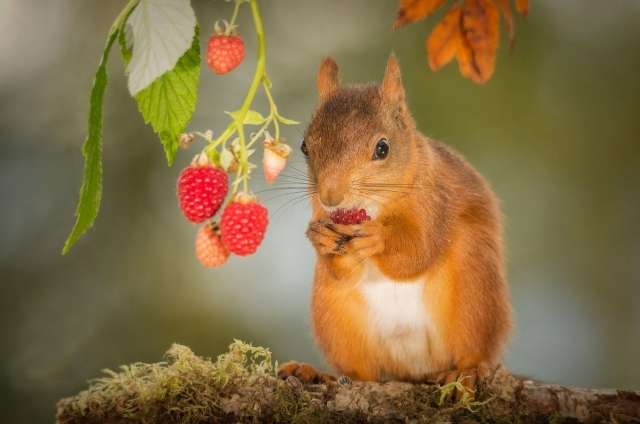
304	372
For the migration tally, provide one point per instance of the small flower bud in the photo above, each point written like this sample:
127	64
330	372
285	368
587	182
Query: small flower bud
185	140
274	159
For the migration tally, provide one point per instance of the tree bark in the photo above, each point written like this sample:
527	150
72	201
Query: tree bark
142	396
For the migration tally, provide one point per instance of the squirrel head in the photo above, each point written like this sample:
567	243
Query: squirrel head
360	145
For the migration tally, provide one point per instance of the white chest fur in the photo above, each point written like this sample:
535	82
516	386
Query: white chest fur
399	319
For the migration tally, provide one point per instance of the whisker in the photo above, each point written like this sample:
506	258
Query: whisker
287	190
376	195
387	185
294	179
296	172
296	175
384	190
289	193
364	196
280	188
299	171
291	202
366	181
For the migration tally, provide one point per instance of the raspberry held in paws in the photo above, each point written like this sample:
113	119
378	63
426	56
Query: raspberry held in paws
243	225
201	191
349	216
210	250
224	53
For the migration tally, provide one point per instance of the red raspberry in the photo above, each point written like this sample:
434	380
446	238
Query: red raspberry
349	216
244	222
209	248
224	53
201	191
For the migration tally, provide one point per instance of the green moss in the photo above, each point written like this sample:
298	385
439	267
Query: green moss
241	386
185	388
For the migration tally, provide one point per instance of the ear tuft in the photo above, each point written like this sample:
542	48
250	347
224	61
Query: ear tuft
392	89
328	80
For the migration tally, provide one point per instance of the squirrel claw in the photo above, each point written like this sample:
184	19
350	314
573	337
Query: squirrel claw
344	380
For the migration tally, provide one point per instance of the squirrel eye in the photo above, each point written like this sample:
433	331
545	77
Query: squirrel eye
303	148
382	149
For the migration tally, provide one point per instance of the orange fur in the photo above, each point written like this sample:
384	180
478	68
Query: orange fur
437	228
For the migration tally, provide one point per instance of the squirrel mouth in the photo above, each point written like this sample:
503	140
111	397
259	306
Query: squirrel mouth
349	216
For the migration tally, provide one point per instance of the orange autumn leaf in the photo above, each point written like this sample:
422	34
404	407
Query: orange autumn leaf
480	26
508	19
414	10
469	31
444	41
522	6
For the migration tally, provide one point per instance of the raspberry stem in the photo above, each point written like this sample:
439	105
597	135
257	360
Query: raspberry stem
251	93
273	107
237	125
256	136
121	19
232	23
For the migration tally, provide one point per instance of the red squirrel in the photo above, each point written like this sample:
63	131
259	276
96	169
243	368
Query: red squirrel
418	291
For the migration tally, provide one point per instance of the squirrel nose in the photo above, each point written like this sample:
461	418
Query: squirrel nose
331	196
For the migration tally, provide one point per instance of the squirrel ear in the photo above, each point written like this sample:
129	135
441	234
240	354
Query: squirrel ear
327	80
392	89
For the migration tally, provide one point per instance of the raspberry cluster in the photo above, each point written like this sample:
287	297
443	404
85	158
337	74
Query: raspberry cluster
202	188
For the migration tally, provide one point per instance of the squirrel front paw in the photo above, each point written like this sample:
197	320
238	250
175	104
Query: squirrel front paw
364	240
325	239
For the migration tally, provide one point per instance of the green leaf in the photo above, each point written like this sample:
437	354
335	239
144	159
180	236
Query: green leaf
251	118
162	32
91	189
287	121
254	118
169	102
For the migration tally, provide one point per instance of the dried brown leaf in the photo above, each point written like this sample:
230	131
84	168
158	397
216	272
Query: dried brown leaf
508	19
480	35
444	41
522	6
410	11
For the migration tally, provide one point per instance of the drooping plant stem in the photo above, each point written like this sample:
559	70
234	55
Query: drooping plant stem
120	20
236	9
237	125
253	88
242	150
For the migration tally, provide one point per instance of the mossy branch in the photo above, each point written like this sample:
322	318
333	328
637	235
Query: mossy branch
240	386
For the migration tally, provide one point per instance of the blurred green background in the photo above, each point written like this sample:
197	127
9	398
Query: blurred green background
556	131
